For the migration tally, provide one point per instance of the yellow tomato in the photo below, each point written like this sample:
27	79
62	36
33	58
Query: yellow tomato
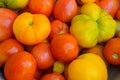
88	66
31	29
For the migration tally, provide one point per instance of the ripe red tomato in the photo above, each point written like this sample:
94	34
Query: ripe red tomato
64	47
21	66
58	27
7	48
53	76
111	51
65	10
7	18
43	55
41	6
111	6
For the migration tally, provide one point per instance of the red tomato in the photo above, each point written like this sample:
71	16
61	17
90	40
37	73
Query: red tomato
53	76
7	48
65	10
21	66
7	18
111	6
64	47
43	55
41	6
58	27
111	51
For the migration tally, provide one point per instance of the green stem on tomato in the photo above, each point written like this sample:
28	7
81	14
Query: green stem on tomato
115	56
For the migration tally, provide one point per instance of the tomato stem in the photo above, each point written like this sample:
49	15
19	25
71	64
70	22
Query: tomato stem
31	23
115	56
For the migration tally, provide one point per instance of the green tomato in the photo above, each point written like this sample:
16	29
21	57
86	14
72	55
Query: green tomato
92	26
13	4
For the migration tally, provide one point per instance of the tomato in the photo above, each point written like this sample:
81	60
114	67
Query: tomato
7	48
31	29
94	25
58	27
53	76
43	55
88	66
65	10
41	6
64	47
111	6
21	66
7	18
58	67
112	51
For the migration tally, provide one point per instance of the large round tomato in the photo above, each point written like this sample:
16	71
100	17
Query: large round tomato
21	66
43	55
64	47
88	66
41	6
8	48
7	18
111	51
31	29
65	10
111	6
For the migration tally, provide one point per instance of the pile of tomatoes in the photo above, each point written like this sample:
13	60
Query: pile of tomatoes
36	42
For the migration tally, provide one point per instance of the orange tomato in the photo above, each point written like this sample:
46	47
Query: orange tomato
7	48
31	29
64	47
65	10
111	6
43	55
7	18
88	66
58	27
53	76
111	51
21	66
41	6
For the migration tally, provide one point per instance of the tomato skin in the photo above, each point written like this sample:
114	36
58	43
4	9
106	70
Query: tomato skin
64	47
21	66
53	76
7	48
7	18
118	14
111	6
58	27
65	10
41	6
111	51
43	55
